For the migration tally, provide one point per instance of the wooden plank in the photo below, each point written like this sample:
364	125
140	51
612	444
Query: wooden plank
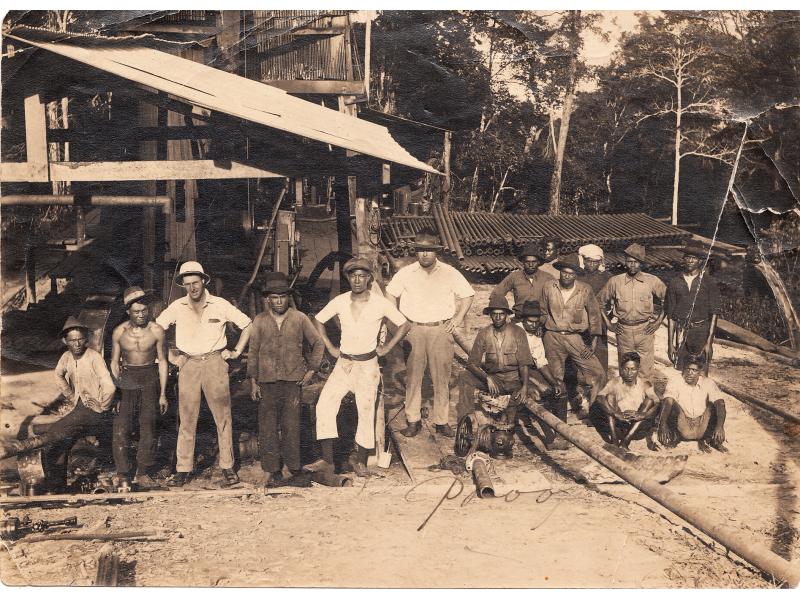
10	172
318	86
35	131
145	170
418	452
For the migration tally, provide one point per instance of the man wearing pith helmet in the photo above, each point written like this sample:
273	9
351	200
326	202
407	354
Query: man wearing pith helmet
199	320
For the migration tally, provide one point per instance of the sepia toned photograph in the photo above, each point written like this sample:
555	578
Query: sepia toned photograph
400	299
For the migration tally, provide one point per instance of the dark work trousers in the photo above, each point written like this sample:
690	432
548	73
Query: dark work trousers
63	434
696	336
279	425
140	391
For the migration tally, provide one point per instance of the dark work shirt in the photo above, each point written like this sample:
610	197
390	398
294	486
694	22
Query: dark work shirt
513	353
679	298
578	314
276	354
522	287
596	280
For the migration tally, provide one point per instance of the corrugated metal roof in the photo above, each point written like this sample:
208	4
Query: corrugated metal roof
240	97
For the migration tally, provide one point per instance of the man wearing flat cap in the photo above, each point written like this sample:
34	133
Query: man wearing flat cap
632	296
200	320
525	283
435	298
278	371
135	346
572	327
692	306
498	362
361	313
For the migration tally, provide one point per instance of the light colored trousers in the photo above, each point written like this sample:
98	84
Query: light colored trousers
362	379
634	339
209	376
431	346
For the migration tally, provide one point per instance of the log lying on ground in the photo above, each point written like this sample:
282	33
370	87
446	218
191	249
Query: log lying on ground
756	554
151	535
66	498
740	334
107	567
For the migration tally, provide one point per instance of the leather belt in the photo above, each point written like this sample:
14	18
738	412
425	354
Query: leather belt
691	324
359	357
633	323
431	323
565	332
205	356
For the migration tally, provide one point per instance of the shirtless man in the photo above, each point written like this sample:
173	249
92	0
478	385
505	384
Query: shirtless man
135	346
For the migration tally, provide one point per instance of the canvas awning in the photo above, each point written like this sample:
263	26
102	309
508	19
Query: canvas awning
217	90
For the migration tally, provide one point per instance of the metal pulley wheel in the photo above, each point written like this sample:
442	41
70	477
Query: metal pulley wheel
465	435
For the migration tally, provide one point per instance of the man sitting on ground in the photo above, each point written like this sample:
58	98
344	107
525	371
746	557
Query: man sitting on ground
626	407
529	314
693	410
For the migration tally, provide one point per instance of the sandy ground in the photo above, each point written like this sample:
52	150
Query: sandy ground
572	535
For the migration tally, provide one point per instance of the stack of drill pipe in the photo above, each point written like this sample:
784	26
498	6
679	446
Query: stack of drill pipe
448	221
437	217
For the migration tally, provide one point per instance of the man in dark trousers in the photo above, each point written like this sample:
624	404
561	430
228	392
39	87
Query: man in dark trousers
135	346
692	306
595	274
278	371
525	283
498	362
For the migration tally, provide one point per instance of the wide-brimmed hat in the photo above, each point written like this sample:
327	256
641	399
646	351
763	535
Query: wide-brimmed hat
497	304
427	241
570	261
73	323
529	308
530	249
191	267
136	294
694	248
357	262
636	251
275	283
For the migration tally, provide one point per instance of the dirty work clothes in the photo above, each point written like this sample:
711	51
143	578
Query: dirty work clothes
521	286
549	269
536	346
578	314
632	298
508	383
431	346
692	398
429	296
63	434
276	353
504	353
597	281
628	397
360	336
559	346
140	392
208	375
692	342
196	335
698	303
279	425
634	339
361	378
87	379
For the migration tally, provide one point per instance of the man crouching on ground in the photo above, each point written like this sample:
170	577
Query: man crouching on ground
361	314
626	407
693	410
135	345
278	372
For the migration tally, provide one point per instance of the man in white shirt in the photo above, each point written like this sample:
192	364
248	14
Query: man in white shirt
435	297
361	313
199	320
693	410
530	315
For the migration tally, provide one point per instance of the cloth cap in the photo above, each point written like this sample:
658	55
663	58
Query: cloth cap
191	267
135	294
497	304
594	252
427	241
73	323
636	251
529	308
357	262
570	261
275	283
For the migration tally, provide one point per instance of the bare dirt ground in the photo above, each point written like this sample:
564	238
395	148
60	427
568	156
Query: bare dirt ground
573	535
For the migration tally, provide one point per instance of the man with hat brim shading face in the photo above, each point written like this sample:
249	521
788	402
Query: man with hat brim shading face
572	315
361	313
632	298
278	371
199	320
550	251
530	316
626	407
435	298
526	283
596	276
135	346
692	306
498	362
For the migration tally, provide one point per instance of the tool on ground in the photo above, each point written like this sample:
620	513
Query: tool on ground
13	528
479	465
488	429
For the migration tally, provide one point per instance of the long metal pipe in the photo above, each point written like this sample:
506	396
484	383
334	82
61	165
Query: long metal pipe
445	230
733	539
440	227
448	221
69	199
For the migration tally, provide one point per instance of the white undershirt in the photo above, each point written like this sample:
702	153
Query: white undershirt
689	279
566	294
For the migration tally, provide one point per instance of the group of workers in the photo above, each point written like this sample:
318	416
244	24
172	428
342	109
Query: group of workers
564	306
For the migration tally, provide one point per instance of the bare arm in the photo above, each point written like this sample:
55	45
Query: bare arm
116	351
243	339
163	365
333	350
401	332
462	307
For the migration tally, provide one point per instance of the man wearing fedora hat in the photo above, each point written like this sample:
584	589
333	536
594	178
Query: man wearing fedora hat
498	362
632	298
692	306
572	316
530	316
199	320
435	298
361	313
278	371
525	283
135	346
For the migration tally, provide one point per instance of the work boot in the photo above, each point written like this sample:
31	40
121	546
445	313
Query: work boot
445	430
229	477
318	466
124	484
413	428
179	479
359	468
143	481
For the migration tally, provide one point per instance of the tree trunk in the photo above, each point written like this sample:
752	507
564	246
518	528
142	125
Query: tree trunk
473	193
677	175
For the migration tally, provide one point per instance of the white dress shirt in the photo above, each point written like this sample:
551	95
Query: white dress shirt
425	296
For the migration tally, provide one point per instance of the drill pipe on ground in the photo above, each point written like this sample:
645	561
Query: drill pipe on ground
440	226
448	221
756	554
445	230
484	487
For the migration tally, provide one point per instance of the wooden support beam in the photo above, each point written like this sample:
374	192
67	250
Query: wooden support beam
10	172
447	184
177	28
386	174
145	170
35	131
140	134
318	86
319	31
